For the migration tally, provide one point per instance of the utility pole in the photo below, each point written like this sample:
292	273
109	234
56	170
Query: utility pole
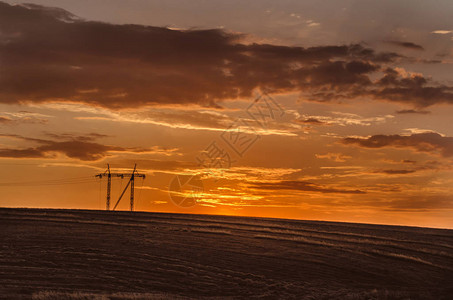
131	182
132	188
109	185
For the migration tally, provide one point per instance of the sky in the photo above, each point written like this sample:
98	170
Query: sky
315	110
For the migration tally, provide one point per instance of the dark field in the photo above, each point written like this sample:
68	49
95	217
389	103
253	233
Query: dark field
78	254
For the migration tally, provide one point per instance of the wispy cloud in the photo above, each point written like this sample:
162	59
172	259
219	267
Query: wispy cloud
337	157
342	119
408	45
23	117
301	186
442	31
82	147
177	118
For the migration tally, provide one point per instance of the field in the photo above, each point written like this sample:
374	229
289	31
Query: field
81	254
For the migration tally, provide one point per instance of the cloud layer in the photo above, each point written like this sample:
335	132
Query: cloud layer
51	55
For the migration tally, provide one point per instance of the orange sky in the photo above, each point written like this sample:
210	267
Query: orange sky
278	117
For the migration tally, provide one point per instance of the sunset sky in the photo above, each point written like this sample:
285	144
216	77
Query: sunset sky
356	102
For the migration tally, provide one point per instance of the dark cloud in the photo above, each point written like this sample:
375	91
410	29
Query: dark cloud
69	136
413	111
408	45
408	161
80	147
428	61
396	172
423	142
74	146
419	95
312	121
73	149
301	186
336	75
49	54
411	89
429	166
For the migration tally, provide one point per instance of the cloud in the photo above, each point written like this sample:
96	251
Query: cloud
73	146
5	120
49	54
413	111
430	142
396	172
173	118
23	117
427	166
422	202
155	165
442	31
408	45
310	23
190	118
396	85
250	173
301	186
408	161
401	86
430	165
337	157
342	119
420	130
312	121
52	12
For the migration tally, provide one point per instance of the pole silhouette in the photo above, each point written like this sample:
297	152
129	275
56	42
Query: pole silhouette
131	183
